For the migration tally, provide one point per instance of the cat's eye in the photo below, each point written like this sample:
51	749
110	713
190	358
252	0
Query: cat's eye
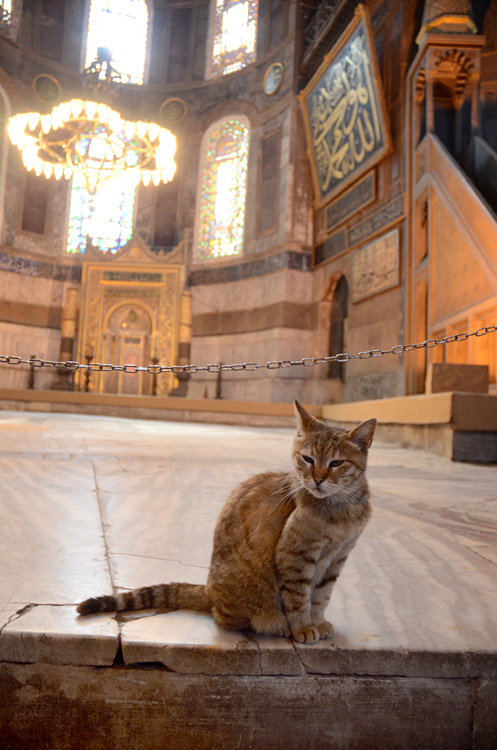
334	464
308	460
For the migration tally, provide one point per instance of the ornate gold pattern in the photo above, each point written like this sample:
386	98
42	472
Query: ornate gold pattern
116	304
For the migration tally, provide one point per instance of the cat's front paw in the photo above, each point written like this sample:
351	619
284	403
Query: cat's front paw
306	635
325	629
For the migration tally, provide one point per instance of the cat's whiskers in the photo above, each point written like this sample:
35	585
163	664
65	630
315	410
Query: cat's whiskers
286	498
346	494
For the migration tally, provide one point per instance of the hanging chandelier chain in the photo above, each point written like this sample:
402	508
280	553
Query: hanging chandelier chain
157	369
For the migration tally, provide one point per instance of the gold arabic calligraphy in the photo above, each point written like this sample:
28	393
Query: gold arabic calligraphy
343	115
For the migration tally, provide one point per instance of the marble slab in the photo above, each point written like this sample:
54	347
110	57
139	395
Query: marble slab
47	634
51	545
92	504
191	643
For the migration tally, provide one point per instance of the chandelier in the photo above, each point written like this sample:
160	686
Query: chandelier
90	139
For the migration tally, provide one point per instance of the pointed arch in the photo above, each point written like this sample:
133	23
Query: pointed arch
337	293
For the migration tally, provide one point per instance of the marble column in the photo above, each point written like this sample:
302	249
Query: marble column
184	342
64	380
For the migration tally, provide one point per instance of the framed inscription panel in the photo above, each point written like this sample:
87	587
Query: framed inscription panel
376	267
344	112
357	197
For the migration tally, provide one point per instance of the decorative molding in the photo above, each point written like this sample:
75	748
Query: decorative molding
351	201
44	269
385	217
458	63
331	246
288	260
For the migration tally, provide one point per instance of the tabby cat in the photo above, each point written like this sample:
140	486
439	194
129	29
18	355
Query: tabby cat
280	542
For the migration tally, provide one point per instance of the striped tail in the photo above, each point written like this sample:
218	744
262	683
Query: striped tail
163	595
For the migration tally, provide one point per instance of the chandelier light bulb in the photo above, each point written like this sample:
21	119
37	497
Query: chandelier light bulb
153	131
141	129
76	107
33	118
91	109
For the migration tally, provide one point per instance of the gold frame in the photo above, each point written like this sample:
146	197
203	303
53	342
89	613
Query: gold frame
280	66
322	197
163	106
54	81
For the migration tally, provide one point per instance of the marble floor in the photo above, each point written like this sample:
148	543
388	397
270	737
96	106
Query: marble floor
89	503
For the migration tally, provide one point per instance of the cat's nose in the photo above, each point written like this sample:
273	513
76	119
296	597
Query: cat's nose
318	481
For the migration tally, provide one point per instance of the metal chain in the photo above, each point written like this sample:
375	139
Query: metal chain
246	366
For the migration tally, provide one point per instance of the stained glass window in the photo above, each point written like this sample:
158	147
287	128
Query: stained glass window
107	216
224	180
121	26
234	35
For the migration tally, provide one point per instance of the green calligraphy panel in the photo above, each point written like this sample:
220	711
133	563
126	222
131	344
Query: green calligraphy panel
344	112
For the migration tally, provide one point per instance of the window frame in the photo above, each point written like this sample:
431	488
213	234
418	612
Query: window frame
244	120
211	72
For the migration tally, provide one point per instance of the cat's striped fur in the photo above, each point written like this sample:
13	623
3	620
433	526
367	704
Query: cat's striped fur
280	542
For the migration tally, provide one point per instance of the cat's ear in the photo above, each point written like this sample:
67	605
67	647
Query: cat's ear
305	421
362	436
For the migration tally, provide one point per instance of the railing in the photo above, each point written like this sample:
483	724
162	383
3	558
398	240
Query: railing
156	369
321	22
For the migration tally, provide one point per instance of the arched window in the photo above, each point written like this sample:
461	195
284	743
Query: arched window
107	217
339	315
234	27
5	14
121	26
223	190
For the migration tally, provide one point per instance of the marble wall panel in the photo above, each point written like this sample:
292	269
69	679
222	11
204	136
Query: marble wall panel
374	385
376	335
25	341
30	289
459	278
251	293
52	241
255	346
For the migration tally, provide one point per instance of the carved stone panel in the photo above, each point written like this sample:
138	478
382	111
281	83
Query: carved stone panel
375	267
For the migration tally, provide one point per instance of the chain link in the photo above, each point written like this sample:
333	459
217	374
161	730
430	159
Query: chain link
246	366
